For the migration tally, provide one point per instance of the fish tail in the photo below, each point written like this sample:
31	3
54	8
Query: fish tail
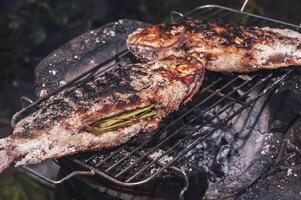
6	159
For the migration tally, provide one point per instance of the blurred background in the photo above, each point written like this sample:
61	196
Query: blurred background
31	29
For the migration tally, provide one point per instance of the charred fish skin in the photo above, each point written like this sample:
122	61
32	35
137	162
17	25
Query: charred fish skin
221	47
58	128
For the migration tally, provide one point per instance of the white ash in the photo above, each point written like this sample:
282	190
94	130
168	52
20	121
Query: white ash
53	72
62	82
164	160
289	172
43	93
153	170
112	33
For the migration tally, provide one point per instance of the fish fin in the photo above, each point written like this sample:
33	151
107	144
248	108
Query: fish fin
5	160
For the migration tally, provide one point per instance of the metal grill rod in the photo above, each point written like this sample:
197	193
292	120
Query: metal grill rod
186	181
244	6
62	180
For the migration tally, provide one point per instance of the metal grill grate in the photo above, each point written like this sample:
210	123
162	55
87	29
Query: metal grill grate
135	163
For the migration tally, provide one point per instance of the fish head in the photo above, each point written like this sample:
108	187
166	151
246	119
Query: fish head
157	42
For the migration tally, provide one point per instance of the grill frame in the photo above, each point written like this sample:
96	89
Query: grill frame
129	183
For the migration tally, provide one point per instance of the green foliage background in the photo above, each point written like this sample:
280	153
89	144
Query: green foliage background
20	187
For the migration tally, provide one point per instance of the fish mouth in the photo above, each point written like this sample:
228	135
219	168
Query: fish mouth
151	52
144	52
122	120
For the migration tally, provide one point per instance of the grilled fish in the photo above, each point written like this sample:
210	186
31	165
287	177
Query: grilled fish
104	112
219	46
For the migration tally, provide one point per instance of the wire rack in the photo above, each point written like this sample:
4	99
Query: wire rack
133	164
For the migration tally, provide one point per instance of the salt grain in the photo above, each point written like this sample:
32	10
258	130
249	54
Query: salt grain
112	33
43	93
289	172
53	72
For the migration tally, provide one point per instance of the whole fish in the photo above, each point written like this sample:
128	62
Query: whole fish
104	112
219	46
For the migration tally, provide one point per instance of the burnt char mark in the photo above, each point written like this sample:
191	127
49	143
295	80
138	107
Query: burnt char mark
25	131
121	104
231	34
74	96
131	100
228	39
116	81
182	47
211	30
56	111
134	98
60	105
88	91
138	71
